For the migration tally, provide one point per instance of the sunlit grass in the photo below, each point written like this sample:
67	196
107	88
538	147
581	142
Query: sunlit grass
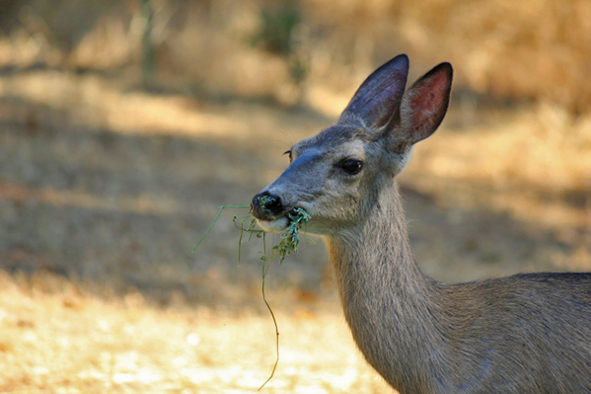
56	336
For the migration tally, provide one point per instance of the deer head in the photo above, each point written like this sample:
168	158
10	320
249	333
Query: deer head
338	174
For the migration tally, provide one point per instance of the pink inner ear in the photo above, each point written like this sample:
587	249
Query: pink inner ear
427	100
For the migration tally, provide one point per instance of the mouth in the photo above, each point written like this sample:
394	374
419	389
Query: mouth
296	215
274	225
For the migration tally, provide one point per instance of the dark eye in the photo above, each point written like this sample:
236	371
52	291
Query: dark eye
352	166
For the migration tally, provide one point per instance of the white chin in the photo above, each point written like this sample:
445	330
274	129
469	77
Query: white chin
274	226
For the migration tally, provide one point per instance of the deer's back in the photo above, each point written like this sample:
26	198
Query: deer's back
524	333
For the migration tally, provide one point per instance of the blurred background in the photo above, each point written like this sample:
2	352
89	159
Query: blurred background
124	125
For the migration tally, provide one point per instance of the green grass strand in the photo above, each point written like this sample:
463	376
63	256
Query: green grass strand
214	222
289	244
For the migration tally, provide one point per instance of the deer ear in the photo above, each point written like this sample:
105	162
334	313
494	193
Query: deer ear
423	106
377	99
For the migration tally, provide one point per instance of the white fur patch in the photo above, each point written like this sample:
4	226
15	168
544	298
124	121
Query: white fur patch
405	159
274	226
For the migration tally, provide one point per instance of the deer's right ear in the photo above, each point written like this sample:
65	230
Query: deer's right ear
377	100
423	106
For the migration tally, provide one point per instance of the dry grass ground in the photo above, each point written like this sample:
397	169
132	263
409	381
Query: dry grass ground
104	190
56	339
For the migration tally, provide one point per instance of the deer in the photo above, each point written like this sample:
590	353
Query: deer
526	333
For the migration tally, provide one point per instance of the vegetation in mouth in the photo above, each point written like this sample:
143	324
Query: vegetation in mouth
290	240
290	237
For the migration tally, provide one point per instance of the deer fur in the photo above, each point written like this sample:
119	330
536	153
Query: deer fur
528	333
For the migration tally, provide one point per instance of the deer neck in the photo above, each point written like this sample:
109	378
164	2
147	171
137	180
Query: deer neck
390	305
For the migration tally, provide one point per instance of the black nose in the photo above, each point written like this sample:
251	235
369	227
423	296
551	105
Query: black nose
266	206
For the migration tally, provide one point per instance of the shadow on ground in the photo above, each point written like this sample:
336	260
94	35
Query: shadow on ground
124	210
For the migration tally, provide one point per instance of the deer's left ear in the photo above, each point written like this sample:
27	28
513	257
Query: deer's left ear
377	100
422	108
